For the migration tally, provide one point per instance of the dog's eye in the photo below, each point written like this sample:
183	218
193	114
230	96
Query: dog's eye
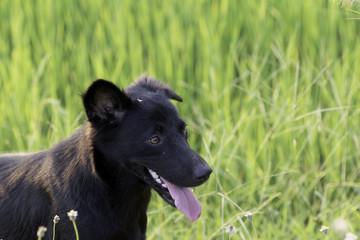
155	140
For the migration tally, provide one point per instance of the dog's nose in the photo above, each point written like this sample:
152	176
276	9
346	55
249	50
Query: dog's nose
202	173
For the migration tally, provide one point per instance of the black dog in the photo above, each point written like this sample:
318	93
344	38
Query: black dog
133	140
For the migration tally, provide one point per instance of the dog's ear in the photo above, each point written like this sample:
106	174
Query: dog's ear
104	102
172	95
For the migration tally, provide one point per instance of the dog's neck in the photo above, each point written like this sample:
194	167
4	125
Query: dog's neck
112	195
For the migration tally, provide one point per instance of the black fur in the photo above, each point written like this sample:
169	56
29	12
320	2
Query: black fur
101	170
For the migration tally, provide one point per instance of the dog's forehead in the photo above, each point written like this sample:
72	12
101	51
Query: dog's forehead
159	105
159	109
151	97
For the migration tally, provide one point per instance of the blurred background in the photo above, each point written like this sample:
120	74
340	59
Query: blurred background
270	89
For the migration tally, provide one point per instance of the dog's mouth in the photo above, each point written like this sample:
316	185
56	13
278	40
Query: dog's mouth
180	197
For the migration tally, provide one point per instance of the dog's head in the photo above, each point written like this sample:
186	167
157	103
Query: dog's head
140	130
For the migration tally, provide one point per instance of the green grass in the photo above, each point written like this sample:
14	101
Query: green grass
271	92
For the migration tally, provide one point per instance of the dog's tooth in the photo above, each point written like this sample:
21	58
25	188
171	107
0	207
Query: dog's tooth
158	180
153	174
164	185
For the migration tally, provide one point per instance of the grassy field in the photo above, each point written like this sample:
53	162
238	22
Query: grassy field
271	97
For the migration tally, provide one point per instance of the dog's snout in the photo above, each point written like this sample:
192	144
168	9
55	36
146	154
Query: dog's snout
203	173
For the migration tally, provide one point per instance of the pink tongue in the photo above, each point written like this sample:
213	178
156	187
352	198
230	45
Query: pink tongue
185	201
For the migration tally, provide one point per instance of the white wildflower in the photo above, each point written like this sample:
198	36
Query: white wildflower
41	231
340	225
230	230
72	215
249	215
350	236
324	229
56	219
